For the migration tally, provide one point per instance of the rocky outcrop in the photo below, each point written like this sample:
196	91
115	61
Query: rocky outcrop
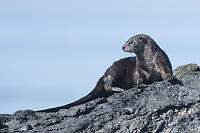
189	69
159	107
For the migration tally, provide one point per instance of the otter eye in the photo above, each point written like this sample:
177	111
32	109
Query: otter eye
130	43
140	38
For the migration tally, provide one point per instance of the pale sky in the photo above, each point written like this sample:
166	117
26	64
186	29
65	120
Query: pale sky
53	52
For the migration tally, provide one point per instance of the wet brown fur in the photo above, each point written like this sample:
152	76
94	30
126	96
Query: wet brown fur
150	64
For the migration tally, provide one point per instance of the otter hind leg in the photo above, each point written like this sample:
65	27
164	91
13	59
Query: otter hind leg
108	84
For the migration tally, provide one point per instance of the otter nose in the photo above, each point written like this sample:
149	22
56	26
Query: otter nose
123	47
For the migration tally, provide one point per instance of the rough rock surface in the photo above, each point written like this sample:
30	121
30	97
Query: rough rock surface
160	107
189	69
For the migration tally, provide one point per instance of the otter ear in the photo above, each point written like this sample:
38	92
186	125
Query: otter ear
143	39
150	41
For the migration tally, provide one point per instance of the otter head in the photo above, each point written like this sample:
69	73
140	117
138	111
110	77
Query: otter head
136	44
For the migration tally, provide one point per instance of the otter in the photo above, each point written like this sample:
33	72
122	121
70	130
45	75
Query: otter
152	63
149	65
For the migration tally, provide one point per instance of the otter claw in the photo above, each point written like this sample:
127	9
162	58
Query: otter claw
170	78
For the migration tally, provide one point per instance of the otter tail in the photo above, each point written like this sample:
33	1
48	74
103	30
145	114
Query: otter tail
97	92
67	106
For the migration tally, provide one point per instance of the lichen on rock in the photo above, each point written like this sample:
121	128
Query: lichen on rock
188	69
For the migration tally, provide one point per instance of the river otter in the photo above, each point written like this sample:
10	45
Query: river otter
150	64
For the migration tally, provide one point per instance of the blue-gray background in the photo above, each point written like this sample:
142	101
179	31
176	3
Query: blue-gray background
52	52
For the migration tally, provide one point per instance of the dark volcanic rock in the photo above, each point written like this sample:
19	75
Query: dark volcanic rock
160	107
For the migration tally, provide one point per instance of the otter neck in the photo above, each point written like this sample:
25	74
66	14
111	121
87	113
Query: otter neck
146	57
140	56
